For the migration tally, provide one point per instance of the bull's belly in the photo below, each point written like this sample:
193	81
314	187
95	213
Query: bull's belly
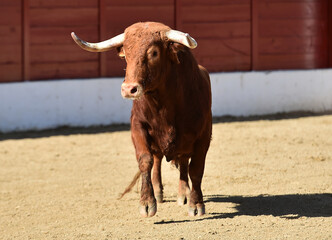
173	149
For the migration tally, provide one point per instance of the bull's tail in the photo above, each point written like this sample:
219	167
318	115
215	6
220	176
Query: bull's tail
131	185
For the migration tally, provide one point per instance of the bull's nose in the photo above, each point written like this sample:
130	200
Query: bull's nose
130	90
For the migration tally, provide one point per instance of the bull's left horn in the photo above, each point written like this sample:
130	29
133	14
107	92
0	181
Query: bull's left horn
101	46
180	37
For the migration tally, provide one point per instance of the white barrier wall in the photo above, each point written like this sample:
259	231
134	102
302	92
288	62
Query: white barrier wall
87	102
259	93
50	104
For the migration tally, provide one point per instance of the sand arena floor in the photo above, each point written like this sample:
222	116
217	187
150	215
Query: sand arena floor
264	179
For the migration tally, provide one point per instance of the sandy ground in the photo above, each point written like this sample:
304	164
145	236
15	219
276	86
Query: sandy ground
264	179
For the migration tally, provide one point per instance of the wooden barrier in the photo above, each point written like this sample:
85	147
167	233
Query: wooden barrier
233	35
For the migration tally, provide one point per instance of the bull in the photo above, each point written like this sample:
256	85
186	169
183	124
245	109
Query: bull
171	112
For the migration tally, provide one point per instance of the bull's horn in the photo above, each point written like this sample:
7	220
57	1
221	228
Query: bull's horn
101	46
180	37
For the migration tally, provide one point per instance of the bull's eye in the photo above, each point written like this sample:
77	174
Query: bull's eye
153	54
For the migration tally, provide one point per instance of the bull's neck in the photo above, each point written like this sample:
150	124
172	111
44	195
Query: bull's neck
174	91
163	97
163	101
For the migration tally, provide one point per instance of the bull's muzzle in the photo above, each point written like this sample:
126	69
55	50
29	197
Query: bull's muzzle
131	90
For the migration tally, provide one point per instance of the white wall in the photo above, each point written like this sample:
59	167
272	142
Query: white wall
50	104
258	93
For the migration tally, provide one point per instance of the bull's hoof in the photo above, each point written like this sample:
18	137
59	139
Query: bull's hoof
201	210
182	200
148	210
198	210
160	198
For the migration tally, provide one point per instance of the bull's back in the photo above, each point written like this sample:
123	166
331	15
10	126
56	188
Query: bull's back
204	73
206	78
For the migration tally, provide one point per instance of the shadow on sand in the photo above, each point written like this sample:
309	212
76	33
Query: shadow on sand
285	206
65	131
270	117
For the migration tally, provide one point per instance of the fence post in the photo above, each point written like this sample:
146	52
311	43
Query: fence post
254	34
177	14
102	37
26	40
329	34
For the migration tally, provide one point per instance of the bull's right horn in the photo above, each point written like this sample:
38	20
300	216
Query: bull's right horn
116	41
180	37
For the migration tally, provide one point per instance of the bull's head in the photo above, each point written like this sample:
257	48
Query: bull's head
148	49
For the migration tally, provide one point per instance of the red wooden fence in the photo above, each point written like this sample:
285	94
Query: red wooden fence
291	34
222	30
233	35
11	40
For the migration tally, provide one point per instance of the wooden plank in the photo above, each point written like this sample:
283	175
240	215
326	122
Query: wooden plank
178	8
293	10
26	40
10	72
227	47
60	53
12	3
119	18
292	61
292	27
225	63
302	1
10	15
42	71
223	30
11	40
63	4
64	17
10	35
292	35
290	45
61	35
178	15
329	34
133	3
234	12
214	2
11	53
254	34
102	36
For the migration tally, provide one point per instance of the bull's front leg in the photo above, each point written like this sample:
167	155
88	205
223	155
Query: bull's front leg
148	205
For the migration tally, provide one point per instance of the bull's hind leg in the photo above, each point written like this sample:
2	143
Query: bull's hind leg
196	169
156	178
184	189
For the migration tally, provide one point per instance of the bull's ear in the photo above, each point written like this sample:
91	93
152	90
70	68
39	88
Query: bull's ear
120	51
174	49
